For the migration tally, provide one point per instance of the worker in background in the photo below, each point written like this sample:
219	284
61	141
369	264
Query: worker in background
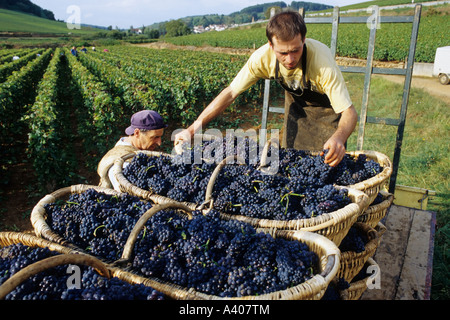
144	133
74	51
319	114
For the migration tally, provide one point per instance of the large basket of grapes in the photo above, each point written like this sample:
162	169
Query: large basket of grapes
377	210
199	256
285	203
33	268
78	223
357	247
83	217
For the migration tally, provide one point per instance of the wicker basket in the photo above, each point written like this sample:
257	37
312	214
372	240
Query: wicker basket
374	185
352	262
312	289
128	187
333	225
39	217
67	256
357	288
374	213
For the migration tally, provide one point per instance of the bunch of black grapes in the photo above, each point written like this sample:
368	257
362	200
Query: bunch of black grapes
225	258
168	177
246	191
354	241
52	284
312	169
97	222
301	188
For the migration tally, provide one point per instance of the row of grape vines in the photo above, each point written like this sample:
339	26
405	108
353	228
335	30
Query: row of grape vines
69	109
392	42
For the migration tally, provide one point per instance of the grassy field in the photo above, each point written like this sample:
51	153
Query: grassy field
392	40
12	21
380	3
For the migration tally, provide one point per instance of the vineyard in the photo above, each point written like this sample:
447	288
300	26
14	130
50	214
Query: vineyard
62	100
392	43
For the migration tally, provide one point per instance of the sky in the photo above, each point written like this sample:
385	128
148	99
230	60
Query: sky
126	13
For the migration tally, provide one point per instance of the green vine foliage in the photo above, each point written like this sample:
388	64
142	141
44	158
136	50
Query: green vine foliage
392	39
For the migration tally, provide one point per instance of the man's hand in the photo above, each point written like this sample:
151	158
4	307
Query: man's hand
336	151
336	144
183	136
180	138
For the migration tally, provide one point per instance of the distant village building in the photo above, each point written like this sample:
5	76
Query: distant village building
211	27
199	29
136	30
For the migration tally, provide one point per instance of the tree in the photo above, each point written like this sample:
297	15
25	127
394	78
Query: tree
176	28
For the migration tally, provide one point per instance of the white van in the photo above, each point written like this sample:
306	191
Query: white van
441	67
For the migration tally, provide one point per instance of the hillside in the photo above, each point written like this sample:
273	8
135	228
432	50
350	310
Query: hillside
26	6
18	22
246	15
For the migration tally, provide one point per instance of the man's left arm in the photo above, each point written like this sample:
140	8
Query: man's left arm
336	144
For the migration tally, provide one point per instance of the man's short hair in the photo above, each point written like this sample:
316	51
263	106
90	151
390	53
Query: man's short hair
286	26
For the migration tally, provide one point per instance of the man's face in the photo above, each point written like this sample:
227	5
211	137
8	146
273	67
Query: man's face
148	140
288	53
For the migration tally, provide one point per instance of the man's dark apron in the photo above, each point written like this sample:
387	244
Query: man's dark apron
309	119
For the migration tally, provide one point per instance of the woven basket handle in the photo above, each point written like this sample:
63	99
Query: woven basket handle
317	227
48	263
265	151
124	184
129	245
380	229
212	179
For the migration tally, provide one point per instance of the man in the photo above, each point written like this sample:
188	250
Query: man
319	114
144	133
74	51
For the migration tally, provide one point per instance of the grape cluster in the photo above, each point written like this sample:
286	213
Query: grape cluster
313	170
226	258
355	240
170	177
378	199
302	188
95	221
245	191
333	291
52	284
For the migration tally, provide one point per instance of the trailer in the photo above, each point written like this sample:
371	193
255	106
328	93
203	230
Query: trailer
441	67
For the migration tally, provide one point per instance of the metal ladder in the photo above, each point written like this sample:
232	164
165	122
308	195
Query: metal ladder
375	20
